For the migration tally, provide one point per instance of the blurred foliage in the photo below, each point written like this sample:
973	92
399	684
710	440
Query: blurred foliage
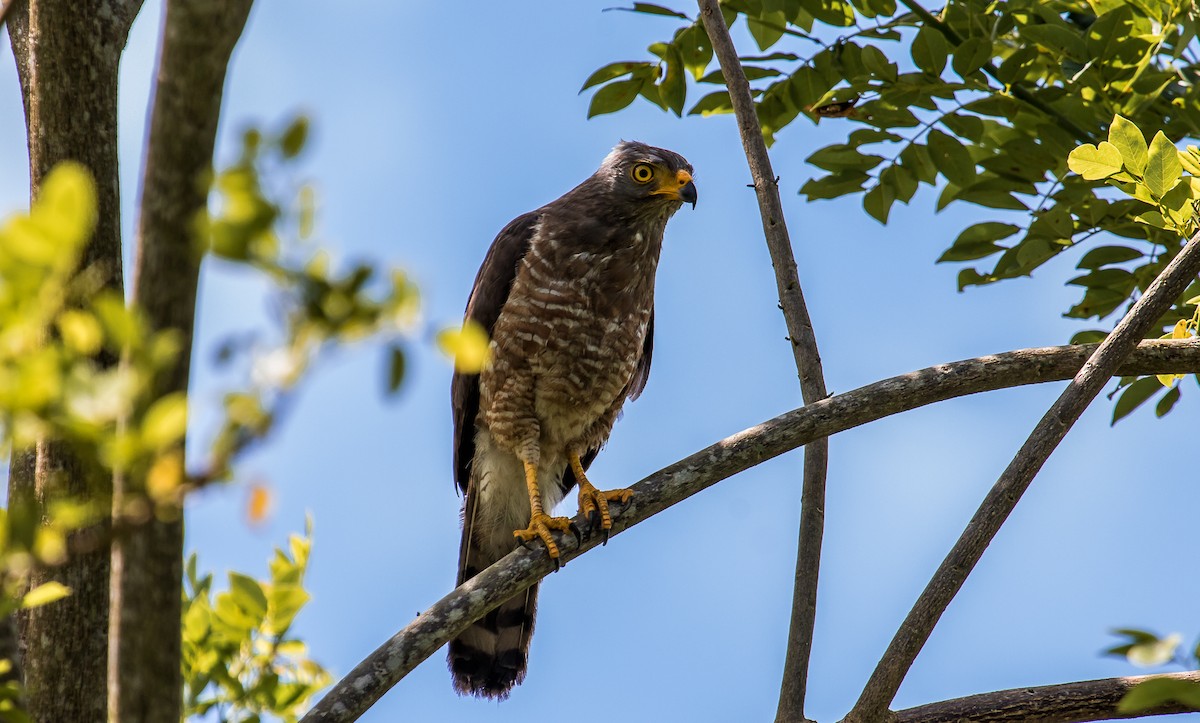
321	305
1145	649
983	101
239	659
61	334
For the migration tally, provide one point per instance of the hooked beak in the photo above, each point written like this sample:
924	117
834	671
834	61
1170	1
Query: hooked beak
682	188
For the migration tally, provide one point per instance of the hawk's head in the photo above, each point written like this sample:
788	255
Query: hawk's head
647	176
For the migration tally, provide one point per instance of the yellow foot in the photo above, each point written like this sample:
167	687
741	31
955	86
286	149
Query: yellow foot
540	527
594	505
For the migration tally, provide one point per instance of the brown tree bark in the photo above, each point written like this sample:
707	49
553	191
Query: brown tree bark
67	54
144	642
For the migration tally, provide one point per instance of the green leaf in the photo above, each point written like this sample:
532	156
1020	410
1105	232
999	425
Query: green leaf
673	88
841	156
1129	140
1056	39
1134	396
1163	169
876	62
951	158
165	422
1106	255
1158	691
45	594
878	202
834	185
1168	400
248	594
972	55
650	9
712	104
611	71
766	29
397	364
1096	162
1091	336
695	49
929	50
614	96
293	139
978	241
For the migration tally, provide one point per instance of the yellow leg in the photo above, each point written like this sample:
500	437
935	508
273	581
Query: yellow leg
541	524
592	502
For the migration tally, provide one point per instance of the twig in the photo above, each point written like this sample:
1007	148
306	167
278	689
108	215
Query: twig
355	693
1003	497
805	353
1063	703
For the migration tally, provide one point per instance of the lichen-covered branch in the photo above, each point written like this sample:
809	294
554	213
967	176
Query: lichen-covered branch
807	359
1087	700
144	677
364	685
879	691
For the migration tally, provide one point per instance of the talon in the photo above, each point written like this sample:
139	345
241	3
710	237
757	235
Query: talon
574	530
541	527
594	518
605	540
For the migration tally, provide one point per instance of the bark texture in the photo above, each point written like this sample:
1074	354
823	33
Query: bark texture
67	54
355	693
145	682
1087	700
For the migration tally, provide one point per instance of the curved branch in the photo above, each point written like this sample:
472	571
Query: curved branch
1087	700
1002	499
806	356
383	668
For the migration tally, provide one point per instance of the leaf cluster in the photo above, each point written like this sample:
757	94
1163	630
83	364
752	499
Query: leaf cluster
239	657
982	103
1146	649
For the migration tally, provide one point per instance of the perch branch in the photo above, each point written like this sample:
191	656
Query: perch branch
383	668
879	691
806	356
1088	700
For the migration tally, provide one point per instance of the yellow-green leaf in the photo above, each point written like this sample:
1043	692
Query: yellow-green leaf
44	594
1129	140
468	346
166	421
1095	162
80	332
1163	168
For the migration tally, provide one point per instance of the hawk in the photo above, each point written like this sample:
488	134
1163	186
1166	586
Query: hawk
566	294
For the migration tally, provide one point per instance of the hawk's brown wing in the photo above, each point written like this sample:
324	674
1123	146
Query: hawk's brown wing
492	286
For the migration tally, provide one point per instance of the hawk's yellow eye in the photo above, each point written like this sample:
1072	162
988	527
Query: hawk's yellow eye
642	173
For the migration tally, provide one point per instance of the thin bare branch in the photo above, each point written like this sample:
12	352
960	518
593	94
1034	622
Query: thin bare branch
807	359
382	669
1063	703
1016	478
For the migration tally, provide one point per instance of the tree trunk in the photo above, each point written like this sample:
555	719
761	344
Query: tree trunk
198	38
67	54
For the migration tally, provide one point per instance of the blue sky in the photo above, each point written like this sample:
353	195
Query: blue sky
435	124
